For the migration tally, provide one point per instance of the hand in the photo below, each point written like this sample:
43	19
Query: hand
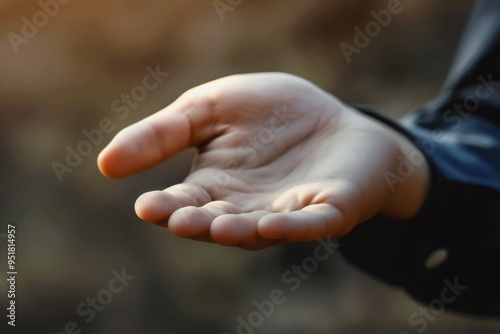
279	160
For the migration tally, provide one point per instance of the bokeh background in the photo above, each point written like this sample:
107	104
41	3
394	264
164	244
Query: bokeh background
72	234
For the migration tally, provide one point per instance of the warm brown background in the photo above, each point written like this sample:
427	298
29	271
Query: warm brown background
72	234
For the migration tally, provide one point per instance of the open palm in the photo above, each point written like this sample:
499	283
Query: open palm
279	160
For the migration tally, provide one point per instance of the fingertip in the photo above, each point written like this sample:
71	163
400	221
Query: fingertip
189	222
118	159
272	226
104	165
155	207
230	230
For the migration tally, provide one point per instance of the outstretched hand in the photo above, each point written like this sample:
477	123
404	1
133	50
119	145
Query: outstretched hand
279	160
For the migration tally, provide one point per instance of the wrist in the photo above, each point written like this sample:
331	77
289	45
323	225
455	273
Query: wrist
408	182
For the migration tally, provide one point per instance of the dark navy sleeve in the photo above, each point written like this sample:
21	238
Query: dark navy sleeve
449	253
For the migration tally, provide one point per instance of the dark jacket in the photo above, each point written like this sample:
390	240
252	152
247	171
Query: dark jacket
449	254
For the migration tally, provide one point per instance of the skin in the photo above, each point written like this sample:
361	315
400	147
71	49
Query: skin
279	160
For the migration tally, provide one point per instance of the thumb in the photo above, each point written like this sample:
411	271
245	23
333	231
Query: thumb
183	124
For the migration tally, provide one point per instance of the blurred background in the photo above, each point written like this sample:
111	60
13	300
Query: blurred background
59	75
